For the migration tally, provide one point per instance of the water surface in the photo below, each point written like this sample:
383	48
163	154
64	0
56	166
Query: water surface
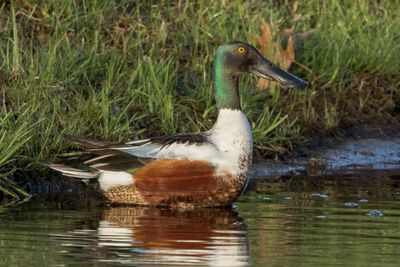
302	221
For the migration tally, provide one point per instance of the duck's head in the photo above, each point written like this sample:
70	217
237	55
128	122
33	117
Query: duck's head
236	58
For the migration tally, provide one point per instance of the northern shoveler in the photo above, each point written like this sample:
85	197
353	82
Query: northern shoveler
207	169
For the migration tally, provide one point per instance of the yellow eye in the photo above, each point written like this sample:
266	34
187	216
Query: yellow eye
241	50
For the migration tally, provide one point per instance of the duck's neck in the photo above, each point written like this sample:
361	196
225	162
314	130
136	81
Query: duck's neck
226	86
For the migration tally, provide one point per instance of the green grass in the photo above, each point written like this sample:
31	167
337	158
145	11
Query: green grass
14	134
121	70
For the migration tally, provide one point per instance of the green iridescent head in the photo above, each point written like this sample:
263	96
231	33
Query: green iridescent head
236	58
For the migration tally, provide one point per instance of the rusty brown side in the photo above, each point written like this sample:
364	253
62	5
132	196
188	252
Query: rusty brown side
179	183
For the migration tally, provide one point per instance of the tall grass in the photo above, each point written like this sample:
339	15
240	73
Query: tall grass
14	134
133	69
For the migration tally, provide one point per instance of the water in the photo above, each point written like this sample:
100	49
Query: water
289	222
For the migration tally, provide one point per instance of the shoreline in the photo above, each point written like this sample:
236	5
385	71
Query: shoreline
368	156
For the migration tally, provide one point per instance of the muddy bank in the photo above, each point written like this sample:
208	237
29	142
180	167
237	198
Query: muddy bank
348	157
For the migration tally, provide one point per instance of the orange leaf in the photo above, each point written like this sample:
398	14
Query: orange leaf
263	43
262	84
287	55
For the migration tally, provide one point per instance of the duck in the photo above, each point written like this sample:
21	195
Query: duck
203	169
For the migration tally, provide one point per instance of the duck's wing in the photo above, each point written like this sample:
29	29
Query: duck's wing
178	146
129	156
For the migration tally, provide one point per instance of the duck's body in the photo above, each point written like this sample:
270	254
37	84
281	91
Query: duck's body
206	169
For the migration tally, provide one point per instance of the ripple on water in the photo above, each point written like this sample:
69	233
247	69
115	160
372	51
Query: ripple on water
375	213
351	204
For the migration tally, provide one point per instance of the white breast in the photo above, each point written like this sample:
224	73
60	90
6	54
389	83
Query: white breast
232	135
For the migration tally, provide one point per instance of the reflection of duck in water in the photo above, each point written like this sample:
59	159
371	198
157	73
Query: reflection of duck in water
214	237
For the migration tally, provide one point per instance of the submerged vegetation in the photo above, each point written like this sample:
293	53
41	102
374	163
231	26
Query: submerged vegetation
119	70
